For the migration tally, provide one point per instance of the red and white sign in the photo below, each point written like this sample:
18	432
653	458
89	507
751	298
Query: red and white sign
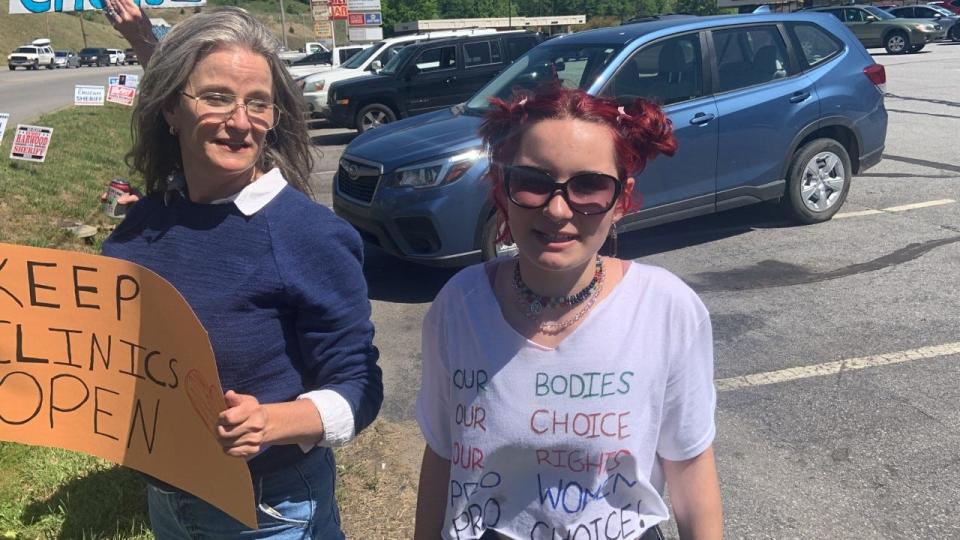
121	94
30	143
355	19
338	2
338	12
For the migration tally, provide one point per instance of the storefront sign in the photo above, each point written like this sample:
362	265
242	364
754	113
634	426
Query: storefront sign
363	5
365	33
323	29
59	6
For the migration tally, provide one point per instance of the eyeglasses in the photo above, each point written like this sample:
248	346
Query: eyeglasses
262	114
587	194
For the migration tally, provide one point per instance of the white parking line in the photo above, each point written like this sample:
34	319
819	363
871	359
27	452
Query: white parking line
833	368
901	208
914	206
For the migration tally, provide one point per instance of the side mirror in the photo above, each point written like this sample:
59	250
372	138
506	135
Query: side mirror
938	16
376	66
871	18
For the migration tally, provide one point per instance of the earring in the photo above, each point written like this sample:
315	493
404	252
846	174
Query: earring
174	131
610	246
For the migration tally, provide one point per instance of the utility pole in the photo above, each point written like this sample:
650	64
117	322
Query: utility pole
82	31
283	25
510	14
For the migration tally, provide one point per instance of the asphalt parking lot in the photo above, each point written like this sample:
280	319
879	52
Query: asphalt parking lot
837	345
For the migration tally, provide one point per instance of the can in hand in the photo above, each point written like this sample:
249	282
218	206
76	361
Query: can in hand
116	189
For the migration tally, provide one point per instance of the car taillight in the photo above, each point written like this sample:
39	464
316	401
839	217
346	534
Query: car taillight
877	75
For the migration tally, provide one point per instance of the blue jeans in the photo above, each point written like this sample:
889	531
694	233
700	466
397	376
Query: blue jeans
296	502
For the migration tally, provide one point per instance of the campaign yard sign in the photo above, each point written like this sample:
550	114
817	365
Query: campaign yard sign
60	6
85	95
30	143
124	79
121	94
3	124
102	356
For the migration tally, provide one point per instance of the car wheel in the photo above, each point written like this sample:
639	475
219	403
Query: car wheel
52	65
35	66
917	48
489	247
955	33
818	181
373	116
897	43
12	68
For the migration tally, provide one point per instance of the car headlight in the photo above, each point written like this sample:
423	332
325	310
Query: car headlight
440	172
926	27
314	86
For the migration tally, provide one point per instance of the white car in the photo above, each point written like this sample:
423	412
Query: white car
117	57
38	53
366	63
324	60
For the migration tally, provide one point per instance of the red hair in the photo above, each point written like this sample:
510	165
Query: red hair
640	131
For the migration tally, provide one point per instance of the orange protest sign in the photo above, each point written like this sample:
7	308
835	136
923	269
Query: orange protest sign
104	357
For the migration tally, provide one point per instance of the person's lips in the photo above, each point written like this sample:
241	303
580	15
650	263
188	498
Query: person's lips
555	238
233	146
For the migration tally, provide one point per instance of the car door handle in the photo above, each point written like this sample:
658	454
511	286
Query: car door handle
797	97
450	79
700	118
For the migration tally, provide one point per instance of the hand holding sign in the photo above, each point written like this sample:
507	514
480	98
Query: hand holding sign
104	357
243	425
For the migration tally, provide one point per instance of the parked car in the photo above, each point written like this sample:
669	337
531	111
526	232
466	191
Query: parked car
952	5
38	53
66	59
366	63
776	107
425	77
130	57
116	57
323	60
875	27
94	56
935	14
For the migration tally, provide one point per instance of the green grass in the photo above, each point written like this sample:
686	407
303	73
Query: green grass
50	493
37	200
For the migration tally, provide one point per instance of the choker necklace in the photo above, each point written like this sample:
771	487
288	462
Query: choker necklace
532	304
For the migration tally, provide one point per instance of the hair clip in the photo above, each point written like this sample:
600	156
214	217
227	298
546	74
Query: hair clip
523	101
623	112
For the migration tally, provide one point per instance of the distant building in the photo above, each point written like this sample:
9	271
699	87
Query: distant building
559	23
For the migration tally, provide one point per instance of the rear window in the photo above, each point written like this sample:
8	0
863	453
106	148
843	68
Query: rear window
817	44
90	51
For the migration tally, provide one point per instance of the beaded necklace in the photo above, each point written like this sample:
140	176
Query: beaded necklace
533	304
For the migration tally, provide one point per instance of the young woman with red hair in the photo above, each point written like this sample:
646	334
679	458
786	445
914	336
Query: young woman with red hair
561	388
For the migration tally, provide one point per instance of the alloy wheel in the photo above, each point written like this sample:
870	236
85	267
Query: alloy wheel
823	179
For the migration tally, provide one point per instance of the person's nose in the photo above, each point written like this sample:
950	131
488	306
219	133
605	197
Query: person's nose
557	208
237	120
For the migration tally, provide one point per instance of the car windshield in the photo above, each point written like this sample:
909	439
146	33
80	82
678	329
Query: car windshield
89	51
361	57
879	13
61	53
575	66
399	58
28	50
320	57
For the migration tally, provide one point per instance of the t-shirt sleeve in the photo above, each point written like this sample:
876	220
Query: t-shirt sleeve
687	424
433	400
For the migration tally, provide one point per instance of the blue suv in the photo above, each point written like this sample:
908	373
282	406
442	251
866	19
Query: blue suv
765	107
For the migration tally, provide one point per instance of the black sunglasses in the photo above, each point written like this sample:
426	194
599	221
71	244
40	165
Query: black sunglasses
587	193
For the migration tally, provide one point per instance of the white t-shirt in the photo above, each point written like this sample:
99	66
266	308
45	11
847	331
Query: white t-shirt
546	443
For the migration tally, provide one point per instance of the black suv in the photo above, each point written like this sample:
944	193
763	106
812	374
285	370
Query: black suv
425	77
94	56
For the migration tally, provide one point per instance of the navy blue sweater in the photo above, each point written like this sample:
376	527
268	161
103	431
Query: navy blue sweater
281	294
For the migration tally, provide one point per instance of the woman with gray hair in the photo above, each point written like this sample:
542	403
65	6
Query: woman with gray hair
275	278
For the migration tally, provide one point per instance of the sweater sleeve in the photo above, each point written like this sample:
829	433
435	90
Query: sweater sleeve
320	261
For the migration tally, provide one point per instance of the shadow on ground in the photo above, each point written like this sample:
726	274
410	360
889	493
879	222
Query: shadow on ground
108	503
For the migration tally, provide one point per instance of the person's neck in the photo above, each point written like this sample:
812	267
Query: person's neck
205	188
556	283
